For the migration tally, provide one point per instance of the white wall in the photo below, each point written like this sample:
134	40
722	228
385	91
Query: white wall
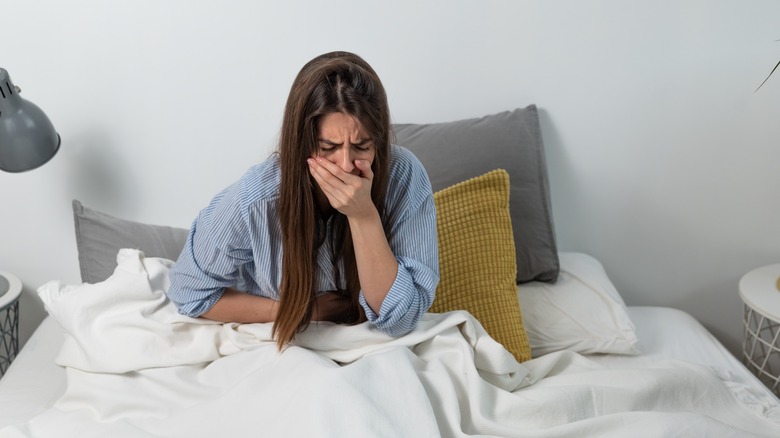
663	160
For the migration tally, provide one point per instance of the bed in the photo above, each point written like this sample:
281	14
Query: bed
523	339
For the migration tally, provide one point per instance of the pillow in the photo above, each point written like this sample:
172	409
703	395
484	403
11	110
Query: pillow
477	258
511	140
99	237
582	312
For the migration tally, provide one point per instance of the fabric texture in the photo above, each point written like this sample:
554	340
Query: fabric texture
582	311
456	151
236	241
477	258
100	236
147	371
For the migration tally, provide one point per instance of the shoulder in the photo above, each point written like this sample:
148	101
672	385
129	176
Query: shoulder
257	188
404	167
261	182
407	181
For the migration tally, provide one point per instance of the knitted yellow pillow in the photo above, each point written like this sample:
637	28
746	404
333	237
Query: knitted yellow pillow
477	260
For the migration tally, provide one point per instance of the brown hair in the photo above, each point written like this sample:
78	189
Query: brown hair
332	82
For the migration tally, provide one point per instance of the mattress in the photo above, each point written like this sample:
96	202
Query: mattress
34	381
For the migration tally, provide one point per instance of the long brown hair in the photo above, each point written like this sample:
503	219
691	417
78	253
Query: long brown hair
333	82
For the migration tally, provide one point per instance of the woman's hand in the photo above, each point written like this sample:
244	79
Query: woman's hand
331	307
348	193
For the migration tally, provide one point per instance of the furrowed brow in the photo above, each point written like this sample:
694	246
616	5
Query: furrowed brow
330	142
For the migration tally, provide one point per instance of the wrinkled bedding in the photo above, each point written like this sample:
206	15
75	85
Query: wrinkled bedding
136	368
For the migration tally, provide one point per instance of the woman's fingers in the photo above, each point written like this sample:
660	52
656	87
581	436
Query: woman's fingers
365	169
346	192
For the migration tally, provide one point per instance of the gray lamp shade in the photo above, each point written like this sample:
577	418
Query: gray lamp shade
27	137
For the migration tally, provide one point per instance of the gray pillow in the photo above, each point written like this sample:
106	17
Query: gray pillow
456	151
99	237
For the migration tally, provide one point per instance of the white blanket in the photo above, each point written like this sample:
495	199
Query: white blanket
136	368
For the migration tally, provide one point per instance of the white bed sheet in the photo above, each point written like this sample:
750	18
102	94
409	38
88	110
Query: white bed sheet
33	382
667	333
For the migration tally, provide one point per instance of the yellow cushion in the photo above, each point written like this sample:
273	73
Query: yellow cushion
477	260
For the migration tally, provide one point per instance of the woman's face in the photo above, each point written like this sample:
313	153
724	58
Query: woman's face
342	140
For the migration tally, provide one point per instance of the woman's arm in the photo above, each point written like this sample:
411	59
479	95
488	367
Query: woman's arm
398	272
216	248
241	307
376	263
351	195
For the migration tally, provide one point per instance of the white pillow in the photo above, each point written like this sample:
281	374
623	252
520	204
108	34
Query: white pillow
581	312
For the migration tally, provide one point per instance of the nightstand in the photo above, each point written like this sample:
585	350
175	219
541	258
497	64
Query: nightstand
761	345
10	289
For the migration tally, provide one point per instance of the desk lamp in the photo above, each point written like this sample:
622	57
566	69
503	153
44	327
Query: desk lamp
27	140
27	137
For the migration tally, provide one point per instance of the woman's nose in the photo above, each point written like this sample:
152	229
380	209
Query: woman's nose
345	161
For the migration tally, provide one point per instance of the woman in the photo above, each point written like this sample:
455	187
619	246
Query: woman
339	225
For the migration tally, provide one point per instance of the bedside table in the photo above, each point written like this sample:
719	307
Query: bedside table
10	289
761	345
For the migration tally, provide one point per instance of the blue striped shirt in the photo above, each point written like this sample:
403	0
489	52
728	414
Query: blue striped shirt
236	241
